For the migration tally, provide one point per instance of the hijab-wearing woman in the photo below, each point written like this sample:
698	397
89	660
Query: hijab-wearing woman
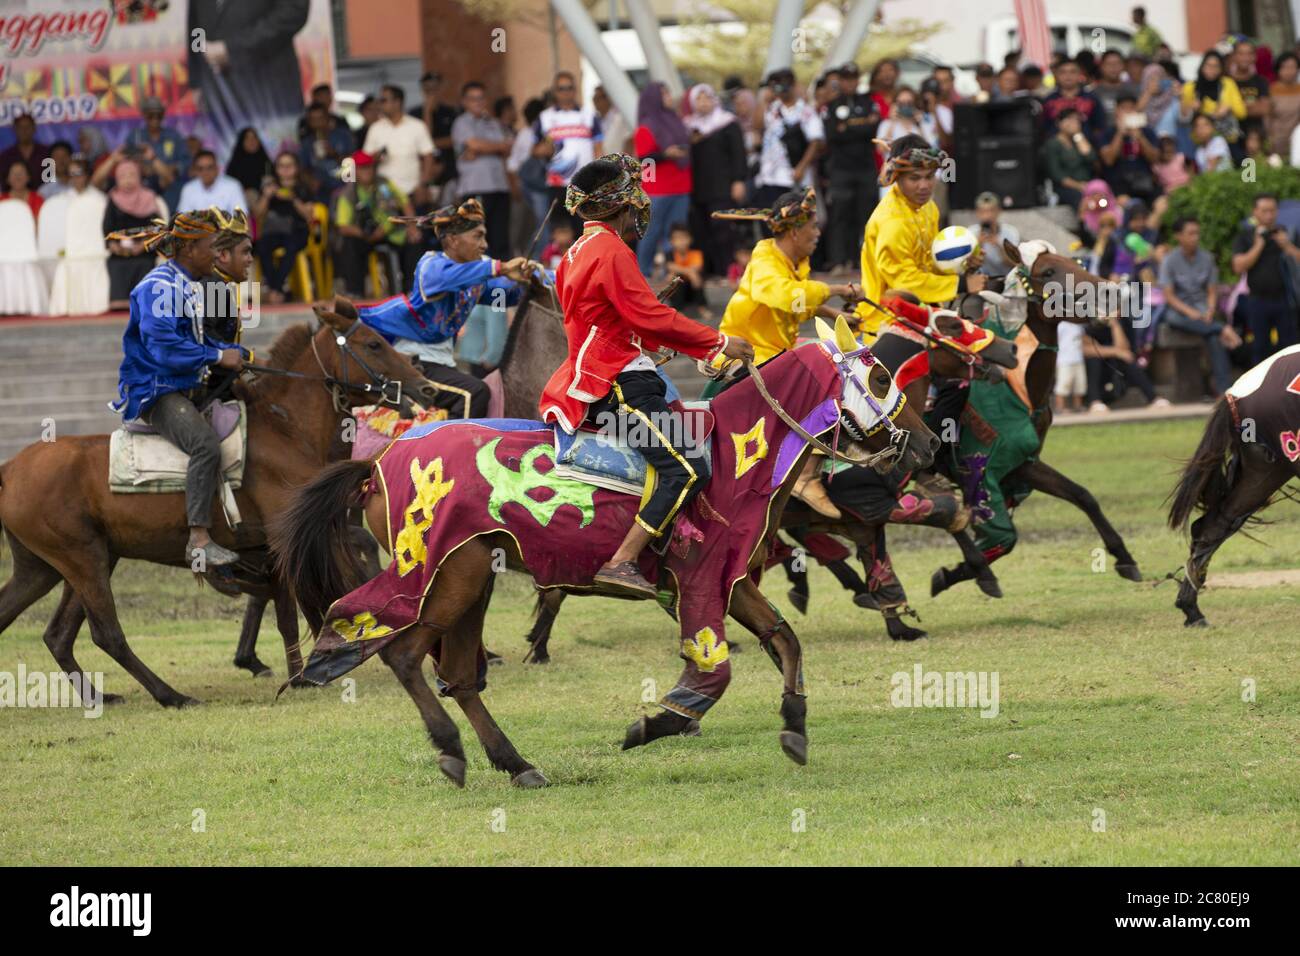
1098	201
131	204
662	137
93	146
1216	94
1284	92
718	173
744	103
249	163
1159	100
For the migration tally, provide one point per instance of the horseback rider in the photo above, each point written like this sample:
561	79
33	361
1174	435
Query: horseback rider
233	248
448	285
609	314
776	296
166	362
896	245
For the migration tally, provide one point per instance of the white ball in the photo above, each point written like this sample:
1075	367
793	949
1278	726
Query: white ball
951	248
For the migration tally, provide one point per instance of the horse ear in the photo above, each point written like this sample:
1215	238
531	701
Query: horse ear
332	319
345	307
824	332
844	335
1012	252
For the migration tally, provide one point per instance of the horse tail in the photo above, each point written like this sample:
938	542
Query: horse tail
311	541
1205	475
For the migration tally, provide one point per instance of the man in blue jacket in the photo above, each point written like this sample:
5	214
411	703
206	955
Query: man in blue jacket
166	359
448	285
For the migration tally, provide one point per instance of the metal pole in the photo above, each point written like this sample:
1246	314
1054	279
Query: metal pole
660	64
583	29
852	32
785	24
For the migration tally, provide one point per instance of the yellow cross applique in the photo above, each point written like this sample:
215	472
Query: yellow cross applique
363	627
705	649
746	460
430	488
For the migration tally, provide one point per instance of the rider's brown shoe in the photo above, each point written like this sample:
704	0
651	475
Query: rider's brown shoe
623	580
812	492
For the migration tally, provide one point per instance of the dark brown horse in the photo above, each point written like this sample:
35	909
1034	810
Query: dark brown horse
1044	280
313	557
64	524
1248	452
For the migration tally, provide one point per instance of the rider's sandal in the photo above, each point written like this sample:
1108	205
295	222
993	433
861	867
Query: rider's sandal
214	555
623	580
812	492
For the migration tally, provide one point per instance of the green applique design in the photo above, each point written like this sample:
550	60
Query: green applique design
510	485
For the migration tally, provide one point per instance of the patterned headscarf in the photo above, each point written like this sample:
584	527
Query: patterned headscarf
165	238
907	161
449	220
780	218
234	229
606	200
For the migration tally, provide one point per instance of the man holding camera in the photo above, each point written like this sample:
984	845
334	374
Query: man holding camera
1128	152
1260	253
991	234
793	138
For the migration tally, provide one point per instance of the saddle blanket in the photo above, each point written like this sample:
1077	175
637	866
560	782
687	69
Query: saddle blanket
143	462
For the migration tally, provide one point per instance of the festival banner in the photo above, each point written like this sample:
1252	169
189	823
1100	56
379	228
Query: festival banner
217	66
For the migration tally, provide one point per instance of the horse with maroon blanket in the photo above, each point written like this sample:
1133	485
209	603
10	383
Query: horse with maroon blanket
451	499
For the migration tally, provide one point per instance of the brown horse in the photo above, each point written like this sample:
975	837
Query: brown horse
1043	281
1248	452
313	557
63	522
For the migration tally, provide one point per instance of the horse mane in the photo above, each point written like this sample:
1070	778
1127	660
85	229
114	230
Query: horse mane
288	346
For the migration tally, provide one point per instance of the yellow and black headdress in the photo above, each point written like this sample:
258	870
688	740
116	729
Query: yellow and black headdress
608	198
449	220
165	237
780	218
907	160
233	228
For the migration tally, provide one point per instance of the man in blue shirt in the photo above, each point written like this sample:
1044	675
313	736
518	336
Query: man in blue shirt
424	322
165	364
162	151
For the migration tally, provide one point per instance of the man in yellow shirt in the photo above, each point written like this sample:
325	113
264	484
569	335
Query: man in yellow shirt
896	246
776	296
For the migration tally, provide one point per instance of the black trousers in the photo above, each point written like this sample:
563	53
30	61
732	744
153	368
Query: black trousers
637	408
496	218
463	396
353	263
275	275
852	201
177	419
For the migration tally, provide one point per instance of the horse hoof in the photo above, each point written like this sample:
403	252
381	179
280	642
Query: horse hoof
692	729
453	768
990	586
180	701
798	600
938	583
906	633
795	746
540	659
493	659
1196	622
1129	572
532	779
865	599
636	734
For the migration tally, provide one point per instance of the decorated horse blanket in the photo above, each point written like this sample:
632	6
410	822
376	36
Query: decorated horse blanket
1265	405
446	483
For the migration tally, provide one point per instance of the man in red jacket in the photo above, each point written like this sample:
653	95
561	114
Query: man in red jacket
610	314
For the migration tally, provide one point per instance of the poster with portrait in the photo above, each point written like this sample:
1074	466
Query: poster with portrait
217	65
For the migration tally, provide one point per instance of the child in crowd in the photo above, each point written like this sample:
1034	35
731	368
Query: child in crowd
1071	374
1172	170
739	262
688	263
562	237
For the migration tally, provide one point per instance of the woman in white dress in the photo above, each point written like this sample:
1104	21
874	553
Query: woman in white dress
81	278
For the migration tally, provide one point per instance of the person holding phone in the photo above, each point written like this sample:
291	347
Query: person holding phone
1261	253
1129	152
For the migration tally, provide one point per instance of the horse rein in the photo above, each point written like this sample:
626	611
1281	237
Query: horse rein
388	391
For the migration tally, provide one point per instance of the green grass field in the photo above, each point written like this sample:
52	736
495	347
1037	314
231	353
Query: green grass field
1109	710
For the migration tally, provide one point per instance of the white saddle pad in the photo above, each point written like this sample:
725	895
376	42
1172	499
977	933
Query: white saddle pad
150	464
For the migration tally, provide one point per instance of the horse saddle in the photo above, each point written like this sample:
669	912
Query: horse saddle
608	461
140	461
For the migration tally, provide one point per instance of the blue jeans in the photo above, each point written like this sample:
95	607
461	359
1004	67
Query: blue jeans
664	211
1263	315
1220	366
484	336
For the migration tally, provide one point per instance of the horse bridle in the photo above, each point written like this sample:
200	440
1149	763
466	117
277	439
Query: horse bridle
387	391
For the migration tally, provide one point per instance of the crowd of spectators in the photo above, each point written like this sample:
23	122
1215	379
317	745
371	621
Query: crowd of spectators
1118	131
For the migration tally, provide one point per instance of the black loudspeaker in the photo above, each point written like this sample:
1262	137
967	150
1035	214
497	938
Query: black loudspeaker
995	149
